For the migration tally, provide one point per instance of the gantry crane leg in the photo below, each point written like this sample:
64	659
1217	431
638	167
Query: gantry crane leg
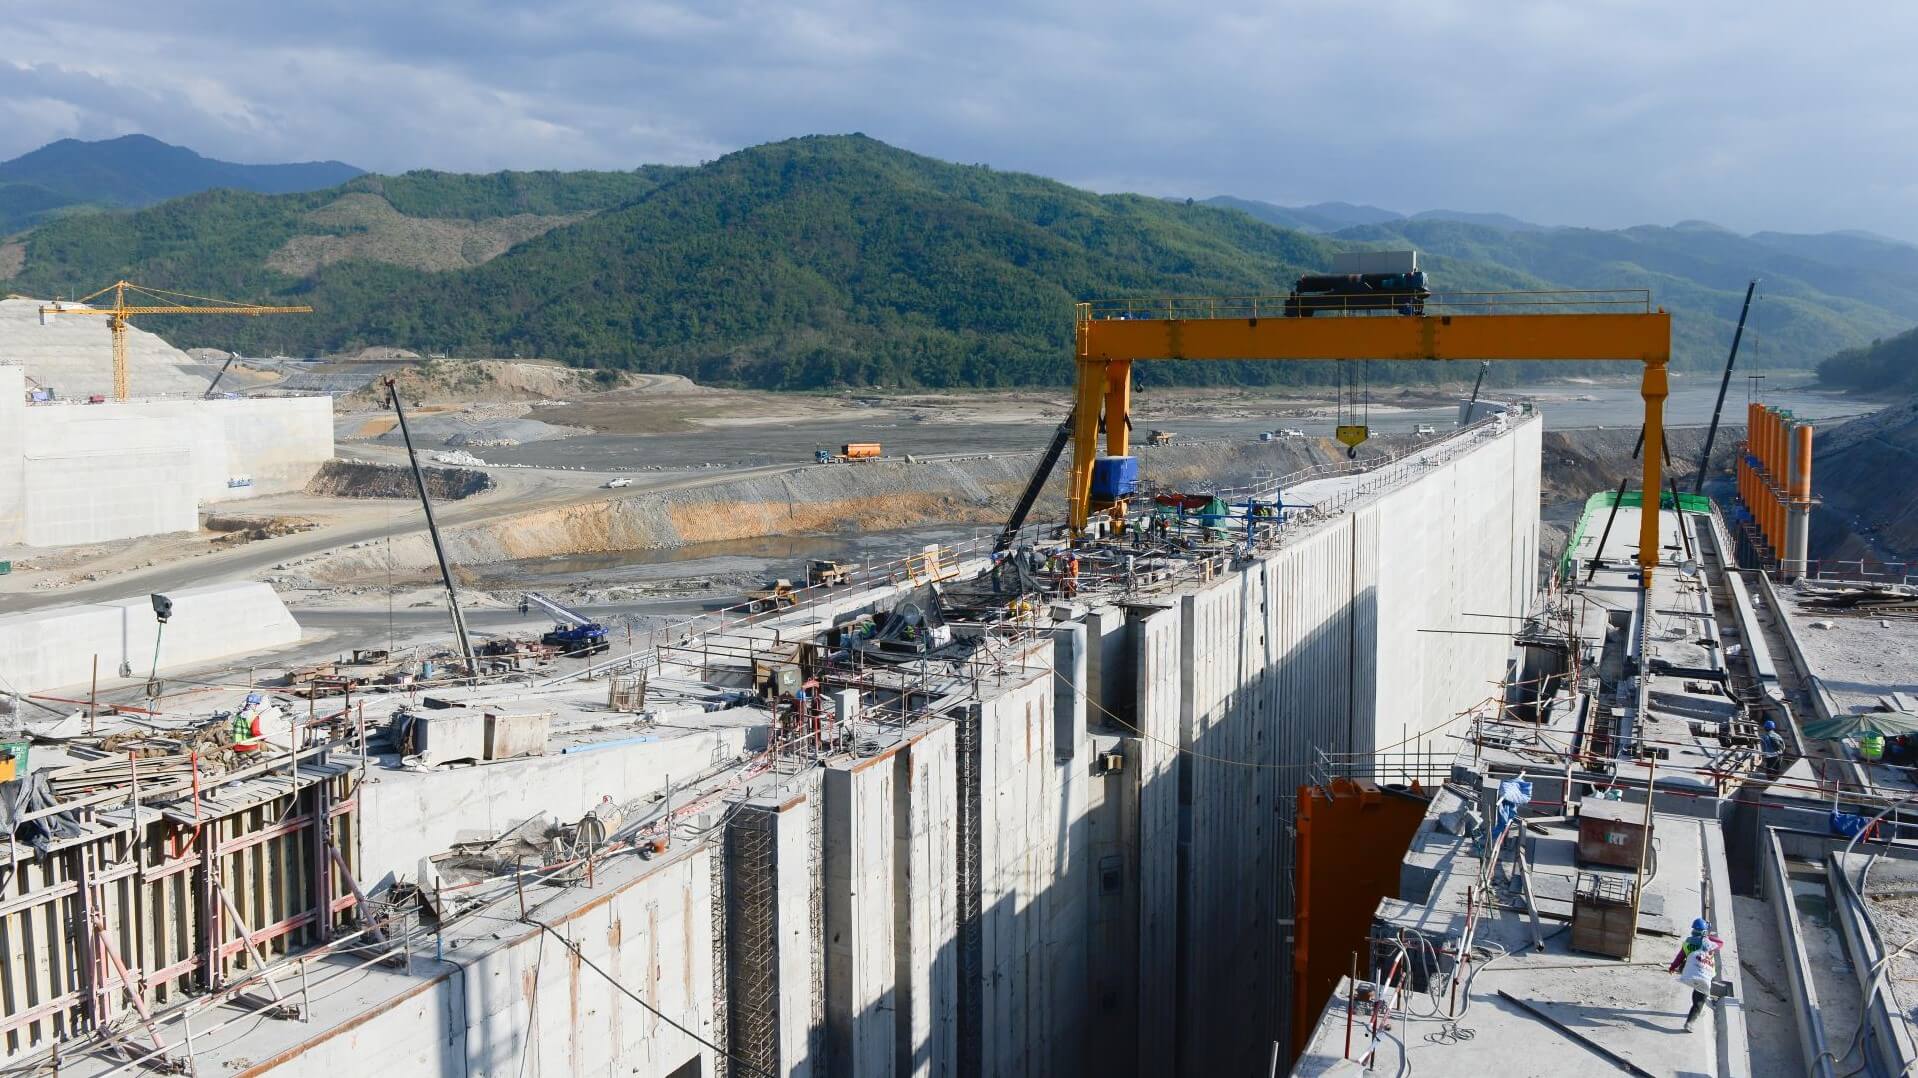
1085	436
1655	388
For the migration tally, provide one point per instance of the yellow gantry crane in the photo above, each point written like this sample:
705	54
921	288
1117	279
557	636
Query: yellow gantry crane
1619	325
164	302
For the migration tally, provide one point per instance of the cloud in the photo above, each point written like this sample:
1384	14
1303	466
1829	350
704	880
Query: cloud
1602	113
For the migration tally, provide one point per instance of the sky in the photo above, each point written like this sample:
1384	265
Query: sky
1754	115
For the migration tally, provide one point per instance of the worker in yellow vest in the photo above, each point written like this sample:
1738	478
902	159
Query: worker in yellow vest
1871	746
247	733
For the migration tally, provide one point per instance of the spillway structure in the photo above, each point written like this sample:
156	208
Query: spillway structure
1023	813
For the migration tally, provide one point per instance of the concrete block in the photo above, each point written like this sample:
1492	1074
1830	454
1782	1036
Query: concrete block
861	998
510	734
54	648
925	904
89	473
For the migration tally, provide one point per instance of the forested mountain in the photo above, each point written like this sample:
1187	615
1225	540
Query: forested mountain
1889	365
136	170
839	260
1811	307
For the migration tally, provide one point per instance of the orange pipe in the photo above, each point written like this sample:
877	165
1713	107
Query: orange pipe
1778	467
1803	463
1776	463
1771	445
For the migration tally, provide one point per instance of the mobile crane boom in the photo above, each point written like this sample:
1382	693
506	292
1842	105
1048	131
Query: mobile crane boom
572	630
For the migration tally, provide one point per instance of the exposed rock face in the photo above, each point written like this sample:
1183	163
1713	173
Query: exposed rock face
347	479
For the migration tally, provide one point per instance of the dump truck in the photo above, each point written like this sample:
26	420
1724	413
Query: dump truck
850	451
780	594
1159	437
823	571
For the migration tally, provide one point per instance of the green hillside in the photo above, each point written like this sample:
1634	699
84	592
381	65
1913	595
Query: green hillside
1888	365
1810	307
834	260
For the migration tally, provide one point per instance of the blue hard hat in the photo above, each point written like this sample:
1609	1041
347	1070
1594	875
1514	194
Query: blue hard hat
1770	725
253	698
1699	924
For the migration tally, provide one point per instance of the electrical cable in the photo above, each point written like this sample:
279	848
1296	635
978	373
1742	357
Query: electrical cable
630	994
532	1007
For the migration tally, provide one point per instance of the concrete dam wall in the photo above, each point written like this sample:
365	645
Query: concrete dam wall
1080	864
1131	920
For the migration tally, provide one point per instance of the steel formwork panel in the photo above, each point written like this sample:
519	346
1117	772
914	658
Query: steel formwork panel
145	895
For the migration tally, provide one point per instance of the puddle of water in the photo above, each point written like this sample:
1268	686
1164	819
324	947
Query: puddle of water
1811	901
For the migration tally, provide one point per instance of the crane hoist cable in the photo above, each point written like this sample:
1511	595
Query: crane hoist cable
1354	433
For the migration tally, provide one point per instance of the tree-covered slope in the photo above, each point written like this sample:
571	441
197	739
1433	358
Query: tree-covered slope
1698	272
833	260
1887	365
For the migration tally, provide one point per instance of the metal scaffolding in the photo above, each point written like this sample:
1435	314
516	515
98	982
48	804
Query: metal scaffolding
753	950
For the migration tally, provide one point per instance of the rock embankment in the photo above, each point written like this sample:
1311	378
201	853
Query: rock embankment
356	479
1865	474
824	499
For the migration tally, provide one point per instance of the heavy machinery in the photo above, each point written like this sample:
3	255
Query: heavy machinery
165	302
780	594
433	530
1030	496
1404	293
827	573
573	632
1110	336
850	451
1362	281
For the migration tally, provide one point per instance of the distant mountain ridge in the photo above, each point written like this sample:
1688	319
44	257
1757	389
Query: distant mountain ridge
138	170
841	261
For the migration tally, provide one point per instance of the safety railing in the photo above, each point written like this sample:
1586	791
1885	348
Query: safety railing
1385	305
1858	570
1426	767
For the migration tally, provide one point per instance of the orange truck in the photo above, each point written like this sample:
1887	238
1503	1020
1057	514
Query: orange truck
849	451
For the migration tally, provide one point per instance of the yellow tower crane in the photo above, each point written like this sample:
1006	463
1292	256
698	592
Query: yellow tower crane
164	303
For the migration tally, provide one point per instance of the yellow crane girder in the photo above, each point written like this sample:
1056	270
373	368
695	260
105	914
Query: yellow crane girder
120	311
1111	337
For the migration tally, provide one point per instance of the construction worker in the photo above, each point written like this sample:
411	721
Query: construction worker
1072	575
1771	749
1871	746
247	734
1697	966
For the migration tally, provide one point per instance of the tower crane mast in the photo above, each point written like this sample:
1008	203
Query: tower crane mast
164	302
